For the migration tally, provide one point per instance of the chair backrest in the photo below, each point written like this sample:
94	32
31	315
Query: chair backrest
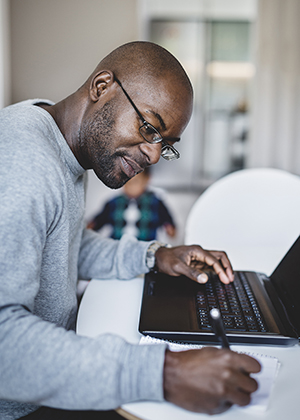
252	214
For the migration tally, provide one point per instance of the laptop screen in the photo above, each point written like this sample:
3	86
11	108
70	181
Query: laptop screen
286	280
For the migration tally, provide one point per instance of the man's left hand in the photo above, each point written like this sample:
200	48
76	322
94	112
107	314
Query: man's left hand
194	262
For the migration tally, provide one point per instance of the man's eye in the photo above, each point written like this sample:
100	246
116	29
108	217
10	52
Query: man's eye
150	133
150	130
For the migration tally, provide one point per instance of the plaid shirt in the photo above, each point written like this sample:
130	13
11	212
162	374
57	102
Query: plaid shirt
141	216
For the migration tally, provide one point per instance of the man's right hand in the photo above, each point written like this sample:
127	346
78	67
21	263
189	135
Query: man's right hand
209	380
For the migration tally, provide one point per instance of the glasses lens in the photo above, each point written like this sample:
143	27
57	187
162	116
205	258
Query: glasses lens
169	153
150	133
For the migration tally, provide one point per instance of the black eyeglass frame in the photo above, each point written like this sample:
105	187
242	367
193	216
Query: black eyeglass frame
165	146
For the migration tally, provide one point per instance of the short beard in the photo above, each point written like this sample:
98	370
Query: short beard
96	137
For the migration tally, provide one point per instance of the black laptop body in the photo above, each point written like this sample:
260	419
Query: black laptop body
177	308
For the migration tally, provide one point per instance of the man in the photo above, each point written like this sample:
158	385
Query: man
131	110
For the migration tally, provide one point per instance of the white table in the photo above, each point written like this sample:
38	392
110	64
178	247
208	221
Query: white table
114	306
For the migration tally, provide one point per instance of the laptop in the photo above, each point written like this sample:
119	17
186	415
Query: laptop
255	309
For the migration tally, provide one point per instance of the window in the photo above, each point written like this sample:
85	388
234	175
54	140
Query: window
216	51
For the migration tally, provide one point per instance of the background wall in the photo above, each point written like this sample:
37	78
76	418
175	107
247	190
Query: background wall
4	53
56	44
275	140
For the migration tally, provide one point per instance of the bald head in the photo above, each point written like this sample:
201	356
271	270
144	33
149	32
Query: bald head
144	63
138	85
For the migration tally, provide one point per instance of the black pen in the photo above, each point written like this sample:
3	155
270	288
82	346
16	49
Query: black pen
218	327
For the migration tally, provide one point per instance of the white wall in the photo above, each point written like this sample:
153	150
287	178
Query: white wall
275	138
56	44
4	53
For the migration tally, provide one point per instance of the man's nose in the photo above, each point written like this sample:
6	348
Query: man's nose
152	151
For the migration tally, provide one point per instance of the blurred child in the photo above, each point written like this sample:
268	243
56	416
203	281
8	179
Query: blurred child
137	211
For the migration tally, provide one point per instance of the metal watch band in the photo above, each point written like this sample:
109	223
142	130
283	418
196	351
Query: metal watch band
150	256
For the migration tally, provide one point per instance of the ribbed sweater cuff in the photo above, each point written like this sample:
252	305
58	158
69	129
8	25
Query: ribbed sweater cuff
144	380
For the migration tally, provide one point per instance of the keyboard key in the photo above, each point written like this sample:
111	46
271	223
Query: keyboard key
236	303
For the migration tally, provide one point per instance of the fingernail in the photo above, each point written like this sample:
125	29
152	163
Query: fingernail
202	278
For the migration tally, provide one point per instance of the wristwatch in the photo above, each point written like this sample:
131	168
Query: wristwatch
150	256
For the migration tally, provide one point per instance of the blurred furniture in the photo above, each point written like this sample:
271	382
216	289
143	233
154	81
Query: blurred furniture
252	214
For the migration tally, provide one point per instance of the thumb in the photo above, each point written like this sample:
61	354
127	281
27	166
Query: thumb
202	278
196	275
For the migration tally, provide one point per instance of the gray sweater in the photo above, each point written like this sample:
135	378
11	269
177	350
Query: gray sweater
44	249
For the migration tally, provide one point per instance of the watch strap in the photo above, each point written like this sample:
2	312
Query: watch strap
150	255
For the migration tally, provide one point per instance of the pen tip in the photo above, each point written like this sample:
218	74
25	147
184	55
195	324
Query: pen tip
215	313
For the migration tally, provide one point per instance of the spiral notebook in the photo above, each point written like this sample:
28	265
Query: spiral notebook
265	378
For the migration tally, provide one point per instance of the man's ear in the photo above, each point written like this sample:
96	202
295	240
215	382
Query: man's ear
99	84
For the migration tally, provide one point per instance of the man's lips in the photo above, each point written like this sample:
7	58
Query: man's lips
130	167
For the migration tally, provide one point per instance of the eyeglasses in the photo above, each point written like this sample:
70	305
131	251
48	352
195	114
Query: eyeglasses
151	134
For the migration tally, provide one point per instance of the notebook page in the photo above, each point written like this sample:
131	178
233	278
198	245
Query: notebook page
265	378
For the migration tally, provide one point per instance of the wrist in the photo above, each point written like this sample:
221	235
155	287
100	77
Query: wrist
170	374
151	251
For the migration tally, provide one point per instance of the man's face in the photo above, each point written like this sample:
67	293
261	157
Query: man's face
98	137
110	137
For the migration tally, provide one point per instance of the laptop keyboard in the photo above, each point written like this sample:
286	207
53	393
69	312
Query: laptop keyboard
236	303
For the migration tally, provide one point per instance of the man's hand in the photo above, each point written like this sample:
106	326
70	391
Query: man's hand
193	261
209	380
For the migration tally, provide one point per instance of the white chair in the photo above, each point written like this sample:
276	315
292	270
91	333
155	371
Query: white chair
252	214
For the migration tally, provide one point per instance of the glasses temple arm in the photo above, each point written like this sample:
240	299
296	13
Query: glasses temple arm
131	101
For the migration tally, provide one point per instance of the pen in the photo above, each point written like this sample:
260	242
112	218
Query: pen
218	327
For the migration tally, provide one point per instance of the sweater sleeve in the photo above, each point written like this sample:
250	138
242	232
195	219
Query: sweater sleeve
106	258
43	364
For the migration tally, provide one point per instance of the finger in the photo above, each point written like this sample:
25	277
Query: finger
188	263
202	278
225	264
198	255
236	396
246	363
222	256
191	272
214	262
201	274
242	381
247	384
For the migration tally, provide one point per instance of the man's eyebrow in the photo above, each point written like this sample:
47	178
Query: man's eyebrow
161	121
163	125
